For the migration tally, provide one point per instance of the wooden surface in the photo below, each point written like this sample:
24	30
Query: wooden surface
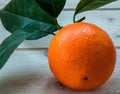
27	71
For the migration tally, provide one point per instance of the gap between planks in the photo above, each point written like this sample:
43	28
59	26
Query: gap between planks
27	49
101	9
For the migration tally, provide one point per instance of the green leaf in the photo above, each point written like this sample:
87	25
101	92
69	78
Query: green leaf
9	44
20	12
85	5
53	7
29	9
13	22
25	20
17	37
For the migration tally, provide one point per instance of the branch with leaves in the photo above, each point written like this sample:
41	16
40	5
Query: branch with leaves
34	19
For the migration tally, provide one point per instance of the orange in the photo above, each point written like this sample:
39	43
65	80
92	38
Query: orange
82	56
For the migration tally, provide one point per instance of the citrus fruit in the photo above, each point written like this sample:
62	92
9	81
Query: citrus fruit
82	56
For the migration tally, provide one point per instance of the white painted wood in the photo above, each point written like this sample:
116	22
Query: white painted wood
71	4
27	72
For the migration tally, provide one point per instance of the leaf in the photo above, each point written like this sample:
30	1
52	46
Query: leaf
85	5
14	22
25	11
29	9
9	44
12	42
53	7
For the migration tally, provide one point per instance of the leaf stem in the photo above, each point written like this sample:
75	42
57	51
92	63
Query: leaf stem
48	32
80	20
58	25
74	18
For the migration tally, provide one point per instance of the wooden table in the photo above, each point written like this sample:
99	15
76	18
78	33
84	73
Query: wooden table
27	71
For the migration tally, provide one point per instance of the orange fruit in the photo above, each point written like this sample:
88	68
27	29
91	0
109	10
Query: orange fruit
82	56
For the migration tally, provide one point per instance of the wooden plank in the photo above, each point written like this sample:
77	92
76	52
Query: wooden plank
70	4
108	20
27	72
